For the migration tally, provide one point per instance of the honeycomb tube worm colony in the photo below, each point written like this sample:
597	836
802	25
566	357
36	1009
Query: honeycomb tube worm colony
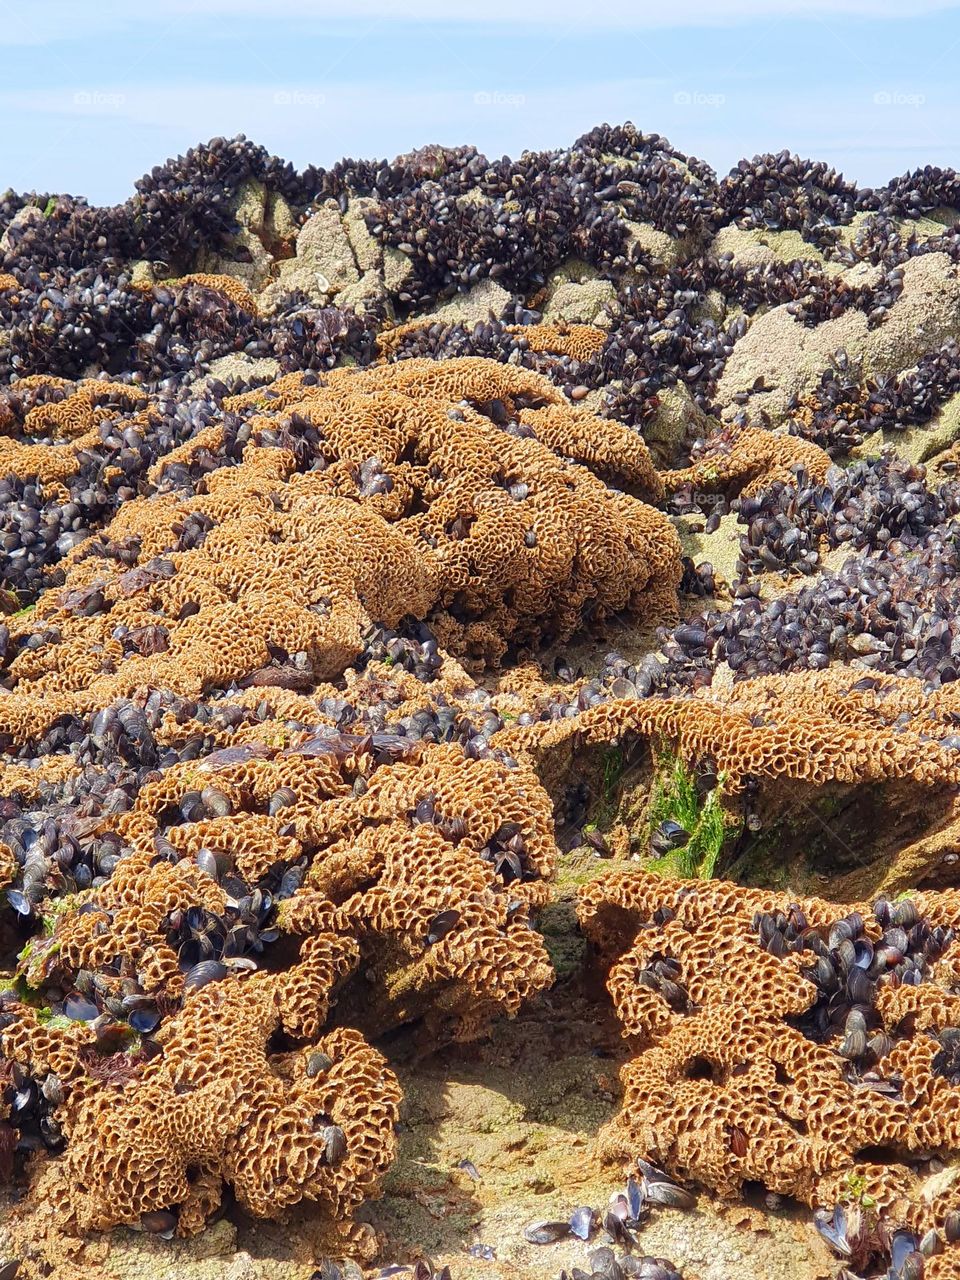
395	554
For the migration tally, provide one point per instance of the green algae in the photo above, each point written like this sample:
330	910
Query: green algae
675	798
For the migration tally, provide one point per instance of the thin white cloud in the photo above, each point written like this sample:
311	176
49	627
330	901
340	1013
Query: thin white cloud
27	22
619	13
616	13
117	131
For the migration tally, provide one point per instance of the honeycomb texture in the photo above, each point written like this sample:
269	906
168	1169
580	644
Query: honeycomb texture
217	1106
749	460
734	1080
812	726
229	286
581	341
375	873
496	540
54	421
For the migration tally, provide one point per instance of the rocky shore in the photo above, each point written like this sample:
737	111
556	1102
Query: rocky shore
479	720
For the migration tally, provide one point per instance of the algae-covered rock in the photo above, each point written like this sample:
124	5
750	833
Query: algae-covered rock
324	262
584	303
575	294
663	248
721	548
565	945
279	223
142	273
779	357
755	247
213	1255
29	216
921	443
397	269
674	420
367	249
369	291
247	257
238	366
475	307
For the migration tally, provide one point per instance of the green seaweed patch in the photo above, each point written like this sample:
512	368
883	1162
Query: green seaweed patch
12	606
854	1191
32	966
578	867
53	910
25	993
761	862
55	1021
675	798
612	773
828	806
613	764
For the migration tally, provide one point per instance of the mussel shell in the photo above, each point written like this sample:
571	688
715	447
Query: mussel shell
833	1228
902	1243
207	863
854	1046
603	1262
880	1044
668	1195
144	1020
912	1267
160	1222
822	973
896	938
21	904
859	987
334	1144
282	798
634	1197
441	924
216	802
202	973
79	1008
670	835
905	914
931	1244
863	953
581	1222
841	931
651	1269
546	1232
847	955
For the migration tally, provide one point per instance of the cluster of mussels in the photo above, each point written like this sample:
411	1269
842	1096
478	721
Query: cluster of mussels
847	968
313	489
892	612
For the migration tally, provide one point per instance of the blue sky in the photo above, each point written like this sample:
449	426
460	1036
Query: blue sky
95	92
